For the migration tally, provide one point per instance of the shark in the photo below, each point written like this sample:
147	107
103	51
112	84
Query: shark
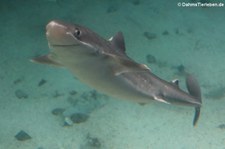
104	65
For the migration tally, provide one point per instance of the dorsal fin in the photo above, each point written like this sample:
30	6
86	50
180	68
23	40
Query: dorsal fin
118	42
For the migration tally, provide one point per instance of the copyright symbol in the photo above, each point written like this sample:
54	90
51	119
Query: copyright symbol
179	4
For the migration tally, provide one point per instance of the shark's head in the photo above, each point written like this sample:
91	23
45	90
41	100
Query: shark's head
63	34
74	46
71	41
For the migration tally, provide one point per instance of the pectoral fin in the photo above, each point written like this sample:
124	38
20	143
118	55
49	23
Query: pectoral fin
46	60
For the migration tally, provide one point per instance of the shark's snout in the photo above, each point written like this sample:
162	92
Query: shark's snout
59	34
50	25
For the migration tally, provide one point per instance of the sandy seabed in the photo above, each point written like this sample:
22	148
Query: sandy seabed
177	37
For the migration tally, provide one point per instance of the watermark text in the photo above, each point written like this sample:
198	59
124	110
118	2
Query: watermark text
199	4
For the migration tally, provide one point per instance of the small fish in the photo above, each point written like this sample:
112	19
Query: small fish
105	66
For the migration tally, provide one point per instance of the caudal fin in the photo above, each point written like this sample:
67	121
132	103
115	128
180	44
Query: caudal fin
194	89
197	115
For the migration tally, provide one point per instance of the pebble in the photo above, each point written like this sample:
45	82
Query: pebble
42	82
181	68
17	81
21	94
93	142
136	2
149	35
165	32
79	117
57	94
150	58
221	126
73	92
58	111
112	9
22	136
68	122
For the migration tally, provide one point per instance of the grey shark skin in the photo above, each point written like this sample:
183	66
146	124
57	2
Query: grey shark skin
104	65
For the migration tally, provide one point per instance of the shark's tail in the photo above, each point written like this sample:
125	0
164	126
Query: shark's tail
195	91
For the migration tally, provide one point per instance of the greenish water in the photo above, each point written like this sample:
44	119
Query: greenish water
58	111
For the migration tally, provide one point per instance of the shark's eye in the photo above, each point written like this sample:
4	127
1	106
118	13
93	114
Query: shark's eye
77	33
